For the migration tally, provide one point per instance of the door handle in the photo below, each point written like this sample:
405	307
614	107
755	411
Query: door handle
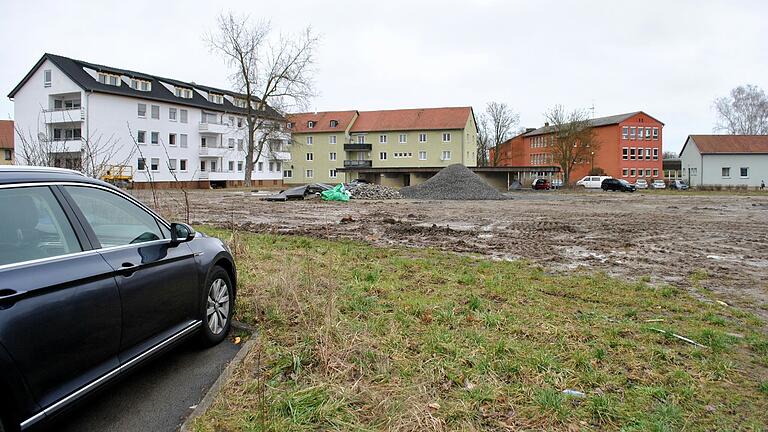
8	298
7	293
127	268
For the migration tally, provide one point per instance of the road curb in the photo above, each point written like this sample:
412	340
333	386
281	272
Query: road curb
210	395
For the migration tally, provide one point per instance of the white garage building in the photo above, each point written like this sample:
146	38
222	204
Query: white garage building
725	160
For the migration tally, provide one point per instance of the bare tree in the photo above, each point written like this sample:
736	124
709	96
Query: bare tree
573	139
669	155
483	140
744	112
275	73
93	155
495	127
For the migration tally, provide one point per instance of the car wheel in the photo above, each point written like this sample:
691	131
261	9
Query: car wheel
218	302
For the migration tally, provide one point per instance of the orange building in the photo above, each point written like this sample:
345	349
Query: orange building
629	148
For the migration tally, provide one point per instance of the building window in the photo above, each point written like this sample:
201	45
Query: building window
647	133
154	164
172	139
183	116
155	138
240	144
213	166
7	154
632	172
422	155
625	172
109	79
310	124
239	122
288	174
625	153
625	132
141	164
240	103
422	137
141	85
446	155
334	123
332	156
332	173
632	132
446	137
656	133
309	173
155	112
648	153
310	140
183	140
361	139
403	138
141	110
744	172
202	166
310	157
231	166
382	139
183	92
383	156
203	142
141	137
632	153
655	172
47	78
183	165
332	139
648	172
239	166
216	98
260	166
656	154
171	164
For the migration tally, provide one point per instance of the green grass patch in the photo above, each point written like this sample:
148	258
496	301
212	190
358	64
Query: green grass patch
354	337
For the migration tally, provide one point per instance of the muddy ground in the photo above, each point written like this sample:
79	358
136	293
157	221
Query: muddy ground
666	236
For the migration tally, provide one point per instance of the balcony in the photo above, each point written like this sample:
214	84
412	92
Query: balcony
357	147
64	115
280	155
214	151
358	163
214	128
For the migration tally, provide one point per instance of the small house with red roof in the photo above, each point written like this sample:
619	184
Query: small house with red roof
725	160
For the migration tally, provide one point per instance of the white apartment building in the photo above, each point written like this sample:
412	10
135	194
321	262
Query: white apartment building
153	128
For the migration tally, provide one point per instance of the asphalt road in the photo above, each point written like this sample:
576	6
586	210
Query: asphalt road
157	397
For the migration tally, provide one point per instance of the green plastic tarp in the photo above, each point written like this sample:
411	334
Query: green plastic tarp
338	193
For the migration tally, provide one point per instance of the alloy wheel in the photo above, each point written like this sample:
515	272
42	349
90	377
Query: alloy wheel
217	311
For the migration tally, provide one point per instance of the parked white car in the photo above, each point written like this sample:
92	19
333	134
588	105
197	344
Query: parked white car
641	184
592	182
659	184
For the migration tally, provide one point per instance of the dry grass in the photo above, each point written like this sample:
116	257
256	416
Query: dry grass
361	338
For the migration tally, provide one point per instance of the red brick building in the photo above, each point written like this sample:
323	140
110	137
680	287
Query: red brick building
630	148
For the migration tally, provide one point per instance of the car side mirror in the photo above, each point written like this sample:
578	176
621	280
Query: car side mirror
180	233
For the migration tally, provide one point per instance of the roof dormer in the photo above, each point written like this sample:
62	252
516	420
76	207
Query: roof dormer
334	123
311	124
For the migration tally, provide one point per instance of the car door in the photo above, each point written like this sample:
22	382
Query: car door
59	304
158	282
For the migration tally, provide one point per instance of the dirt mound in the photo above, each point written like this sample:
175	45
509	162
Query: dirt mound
454	182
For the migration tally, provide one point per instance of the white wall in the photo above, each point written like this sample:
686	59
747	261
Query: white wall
709	167
107	121
690	162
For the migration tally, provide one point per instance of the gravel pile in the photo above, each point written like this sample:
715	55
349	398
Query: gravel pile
454	182
365	191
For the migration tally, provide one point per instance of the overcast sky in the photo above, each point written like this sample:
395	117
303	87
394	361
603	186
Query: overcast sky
667	58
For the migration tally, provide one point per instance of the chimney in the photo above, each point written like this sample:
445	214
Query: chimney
546	124
529	130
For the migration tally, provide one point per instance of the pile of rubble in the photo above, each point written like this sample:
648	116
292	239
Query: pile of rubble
454	182
366	191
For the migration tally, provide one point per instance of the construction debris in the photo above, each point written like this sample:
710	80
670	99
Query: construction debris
367	191
454	182
682	338
299	192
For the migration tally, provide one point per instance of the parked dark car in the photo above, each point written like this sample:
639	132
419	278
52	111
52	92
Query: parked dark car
620	185
540	184
93	284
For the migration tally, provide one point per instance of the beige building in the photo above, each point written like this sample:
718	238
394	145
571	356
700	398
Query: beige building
391	147
6	142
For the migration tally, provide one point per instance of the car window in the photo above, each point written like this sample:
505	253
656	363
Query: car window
115	220
33	226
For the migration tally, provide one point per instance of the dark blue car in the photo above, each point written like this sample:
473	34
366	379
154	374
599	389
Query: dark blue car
93	284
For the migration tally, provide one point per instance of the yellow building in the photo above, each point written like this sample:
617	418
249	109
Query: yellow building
390	147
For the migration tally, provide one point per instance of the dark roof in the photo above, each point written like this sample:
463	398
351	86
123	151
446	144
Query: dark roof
596	122
74	70
730	144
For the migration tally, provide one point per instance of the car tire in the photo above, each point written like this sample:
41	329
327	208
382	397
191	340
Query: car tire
217	306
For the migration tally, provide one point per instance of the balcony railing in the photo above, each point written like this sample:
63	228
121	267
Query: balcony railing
357	147
358	163
215	128
64	115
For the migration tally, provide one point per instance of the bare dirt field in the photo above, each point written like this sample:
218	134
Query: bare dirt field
719	241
